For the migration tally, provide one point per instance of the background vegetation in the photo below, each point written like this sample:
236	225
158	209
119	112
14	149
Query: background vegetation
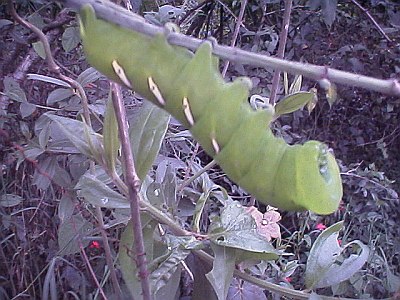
39	208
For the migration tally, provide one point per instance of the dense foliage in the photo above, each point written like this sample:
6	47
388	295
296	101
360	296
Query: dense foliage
41	215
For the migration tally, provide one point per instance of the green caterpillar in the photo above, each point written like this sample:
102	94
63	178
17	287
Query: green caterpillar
191	88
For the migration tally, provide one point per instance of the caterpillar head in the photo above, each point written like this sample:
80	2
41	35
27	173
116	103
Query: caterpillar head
311	178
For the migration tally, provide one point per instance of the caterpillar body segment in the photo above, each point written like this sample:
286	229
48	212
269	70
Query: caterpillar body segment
191	88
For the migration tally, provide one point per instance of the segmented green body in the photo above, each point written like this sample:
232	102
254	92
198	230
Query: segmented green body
218	114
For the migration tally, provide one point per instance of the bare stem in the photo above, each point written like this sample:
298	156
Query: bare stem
107	250
117	15
365	11
243	4
133	182
281	49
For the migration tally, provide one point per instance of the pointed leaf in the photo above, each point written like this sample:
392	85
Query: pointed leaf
286	82
146	133
326	266
323	254
82	136
331	94
39	49
59	94
178	251
48	79
221	274
26	109
296	84
237	229
110	136
88	76
293	102
72	233
240	290
13	90
329	11
10	200
128	265
311	105
47	167
70	38
66	207
99	194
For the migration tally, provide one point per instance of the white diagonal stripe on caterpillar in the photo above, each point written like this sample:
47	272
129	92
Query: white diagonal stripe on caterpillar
155	90
187	111
121	73
215	145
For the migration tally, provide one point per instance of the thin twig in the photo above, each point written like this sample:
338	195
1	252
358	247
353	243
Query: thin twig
133	182
243	4
107	250
197	175
281	49
117	15
91	271
52	65
365	11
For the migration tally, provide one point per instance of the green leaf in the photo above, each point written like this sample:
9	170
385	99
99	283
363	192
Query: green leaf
128	266
26	109
295	87
331	94
326	266
59	95
202	288
110	136
168	187
323	254
328	8
33	153
70	38
47	167
81	136
99	194
48	79
237	229
10	200
221	274
178	249
329	11
393	281
39	49
311	105
71	233
240	290
13	90
66	207
49	283
44	135
5	22
88	76
198	211
293	102
37	20
146	133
